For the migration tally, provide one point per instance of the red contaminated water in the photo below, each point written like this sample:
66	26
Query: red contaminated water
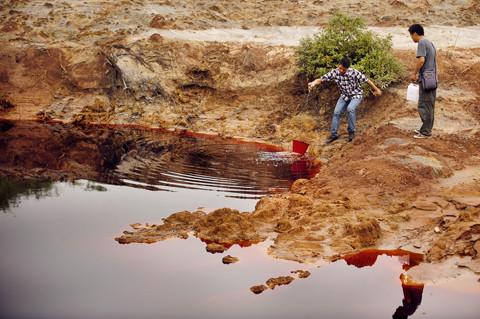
156	159
191	134
369	257
60	260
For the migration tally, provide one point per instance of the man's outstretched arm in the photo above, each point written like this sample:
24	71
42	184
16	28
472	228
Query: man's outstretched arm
324	78
376	90
312	84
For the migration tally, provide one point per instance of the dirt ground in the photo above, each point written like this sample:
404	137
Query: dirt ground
105	62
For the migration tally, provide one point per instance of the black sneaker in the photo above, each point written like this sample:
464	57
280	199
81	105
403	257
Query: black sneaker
351	136
330	139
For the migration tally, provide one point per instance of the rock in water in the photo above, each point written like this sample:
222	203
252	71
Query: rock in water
258	289
301	273
279	281
215	248
229	260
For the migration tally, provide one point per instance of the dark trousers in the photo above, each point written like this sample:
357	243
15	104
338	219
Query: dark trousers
426	109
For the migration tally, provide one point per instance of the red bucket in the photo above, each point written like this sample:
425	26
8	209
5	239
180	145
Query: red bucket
299	147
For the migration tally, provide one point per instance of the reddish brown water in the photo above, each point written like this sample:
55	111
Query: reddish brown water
368	257
59	258
231	169
151	159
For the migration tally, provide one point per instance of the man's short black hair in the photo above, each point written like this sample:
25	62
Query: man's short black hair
416	28
346	62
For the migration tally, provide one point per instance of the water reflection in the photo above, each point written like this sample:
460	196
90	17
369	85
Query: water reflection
94	187
151	159
12	191
412	298
412	291
235	170
368	257
59	261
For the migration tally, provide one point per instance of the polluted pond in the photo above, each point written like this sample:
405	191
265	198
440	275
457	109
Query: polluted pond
68	191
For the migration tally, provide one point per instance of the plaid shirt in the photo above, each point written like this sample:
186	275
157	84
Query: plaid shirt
348	83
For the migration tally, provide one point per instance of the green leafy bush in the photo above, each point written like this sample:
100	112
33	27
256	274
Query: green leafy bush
348	37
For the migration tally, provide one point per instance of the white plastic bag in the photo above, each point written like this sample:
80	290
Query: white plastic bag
412	93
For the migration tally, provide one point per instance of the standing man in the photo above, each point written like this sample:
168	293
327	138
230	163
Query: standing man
351	95
426	60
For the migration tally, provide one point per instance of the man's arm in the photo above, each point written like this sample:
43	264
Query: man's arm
421	54
312	84
416	74
363	78
376	90
327	77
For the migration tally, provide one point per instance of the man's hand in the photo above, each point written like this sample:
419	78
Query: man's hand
377	92
312	84
414	77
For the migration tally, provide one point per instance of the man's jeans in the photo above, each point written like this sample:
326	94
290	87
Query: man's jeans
426	109
342	105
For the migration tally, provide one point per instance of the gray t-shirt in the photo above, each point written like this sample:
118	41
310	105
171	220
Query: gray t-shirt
425	48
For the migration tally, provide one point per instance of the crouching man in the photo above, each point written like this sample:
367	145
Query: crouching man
349	82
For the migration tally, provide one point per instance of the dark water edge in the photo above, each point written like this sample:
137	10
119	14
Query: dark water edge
155	160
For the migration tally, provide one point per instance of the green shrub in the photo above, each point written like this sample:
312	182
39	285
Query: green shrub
348	37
